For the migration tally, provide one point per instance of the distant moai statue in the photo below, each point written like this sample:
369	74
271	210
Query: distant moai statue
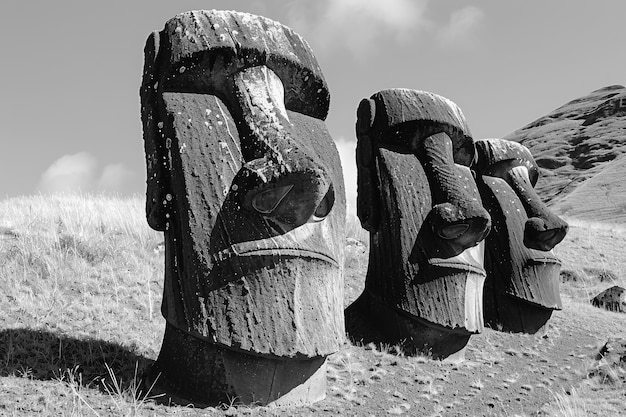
522	286
418	200
246	183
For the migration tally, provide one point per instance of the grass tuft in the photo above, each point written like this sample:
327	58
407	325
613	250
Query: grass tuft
569	404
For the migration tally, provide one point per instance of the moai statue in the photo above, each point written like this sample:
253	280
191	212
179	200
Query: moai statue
246	183
418	200
522	286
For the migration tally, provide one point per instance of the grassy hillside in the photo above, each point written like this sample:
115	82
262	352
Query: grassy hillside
80	290
601	198
576	141
80	295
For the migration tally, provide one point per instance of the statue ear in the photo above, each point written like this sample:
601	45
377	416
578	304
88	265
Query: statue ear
158	179
368	197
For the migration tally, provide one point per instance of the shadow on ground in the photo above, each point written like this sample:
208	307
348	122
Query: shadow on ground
43	355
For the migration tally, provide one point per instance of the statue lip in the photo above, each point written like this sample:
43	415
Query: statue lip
246	249
291	252
548	259
307	241
470	260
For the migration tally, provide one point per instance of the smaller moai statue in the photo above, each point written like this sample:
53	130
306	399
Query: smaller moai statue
419	202
246	184
522	285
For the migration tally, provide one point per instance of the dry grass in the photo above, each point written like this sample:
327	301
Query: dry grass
80	295
356	252
79	275
569	404
593	258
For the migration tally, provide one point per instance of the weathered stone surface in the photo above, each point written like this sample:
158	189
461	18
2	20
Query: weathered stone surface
522	286
245	181
418	200
612	299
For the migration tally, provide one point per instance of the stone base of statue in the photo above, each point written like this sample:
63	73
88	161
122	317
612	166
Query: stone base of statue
370	320
517	316
193	371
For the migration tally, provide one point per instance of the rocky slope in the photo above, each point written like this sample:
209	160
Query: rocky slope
576	142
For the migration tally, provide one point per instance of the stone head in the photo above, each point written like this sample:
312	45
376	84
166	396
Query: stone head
246	183
418	200
522	286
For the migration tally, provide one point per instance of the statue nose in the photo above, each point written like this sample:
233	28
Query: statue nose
457	229
544	234
457	218
543	229
284	179
286	199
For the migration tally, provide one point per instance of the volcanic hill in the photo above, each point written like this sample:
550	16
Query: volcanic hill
574	145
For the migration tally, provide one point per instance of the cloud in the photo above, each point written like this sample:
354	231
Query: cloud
462	26
347	151
79	173
114	178
356	24
69	173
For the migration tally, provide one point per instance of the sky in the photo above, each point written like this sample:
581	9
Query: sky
70	73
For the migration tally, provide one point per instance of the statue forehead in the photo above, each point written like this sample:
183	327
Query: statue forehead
404	118
492	151
191	44
501	149
400	105
209	30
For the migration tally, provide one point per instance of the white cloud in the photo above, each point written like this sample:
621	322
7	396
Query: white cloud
462	26
79	173
114	178
356	24
69	173
347	152
399	14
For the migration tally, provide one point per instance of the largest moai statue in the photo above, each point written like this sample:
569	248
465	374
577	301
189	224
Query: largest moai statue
522	286
418	200
246	184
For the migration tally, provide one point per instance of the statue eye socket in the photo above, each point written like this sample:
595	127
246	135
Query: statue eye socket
323	209
502	169
267	201
453	231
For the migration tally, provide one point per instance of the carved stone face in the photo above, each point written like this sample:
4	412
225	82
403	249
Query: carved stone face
246	182
519	261
419	201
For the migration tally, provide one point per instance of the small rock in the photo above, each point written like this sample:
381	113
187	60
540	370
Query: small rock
8	233
612	299
610	365
568	275
396	410
399	395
